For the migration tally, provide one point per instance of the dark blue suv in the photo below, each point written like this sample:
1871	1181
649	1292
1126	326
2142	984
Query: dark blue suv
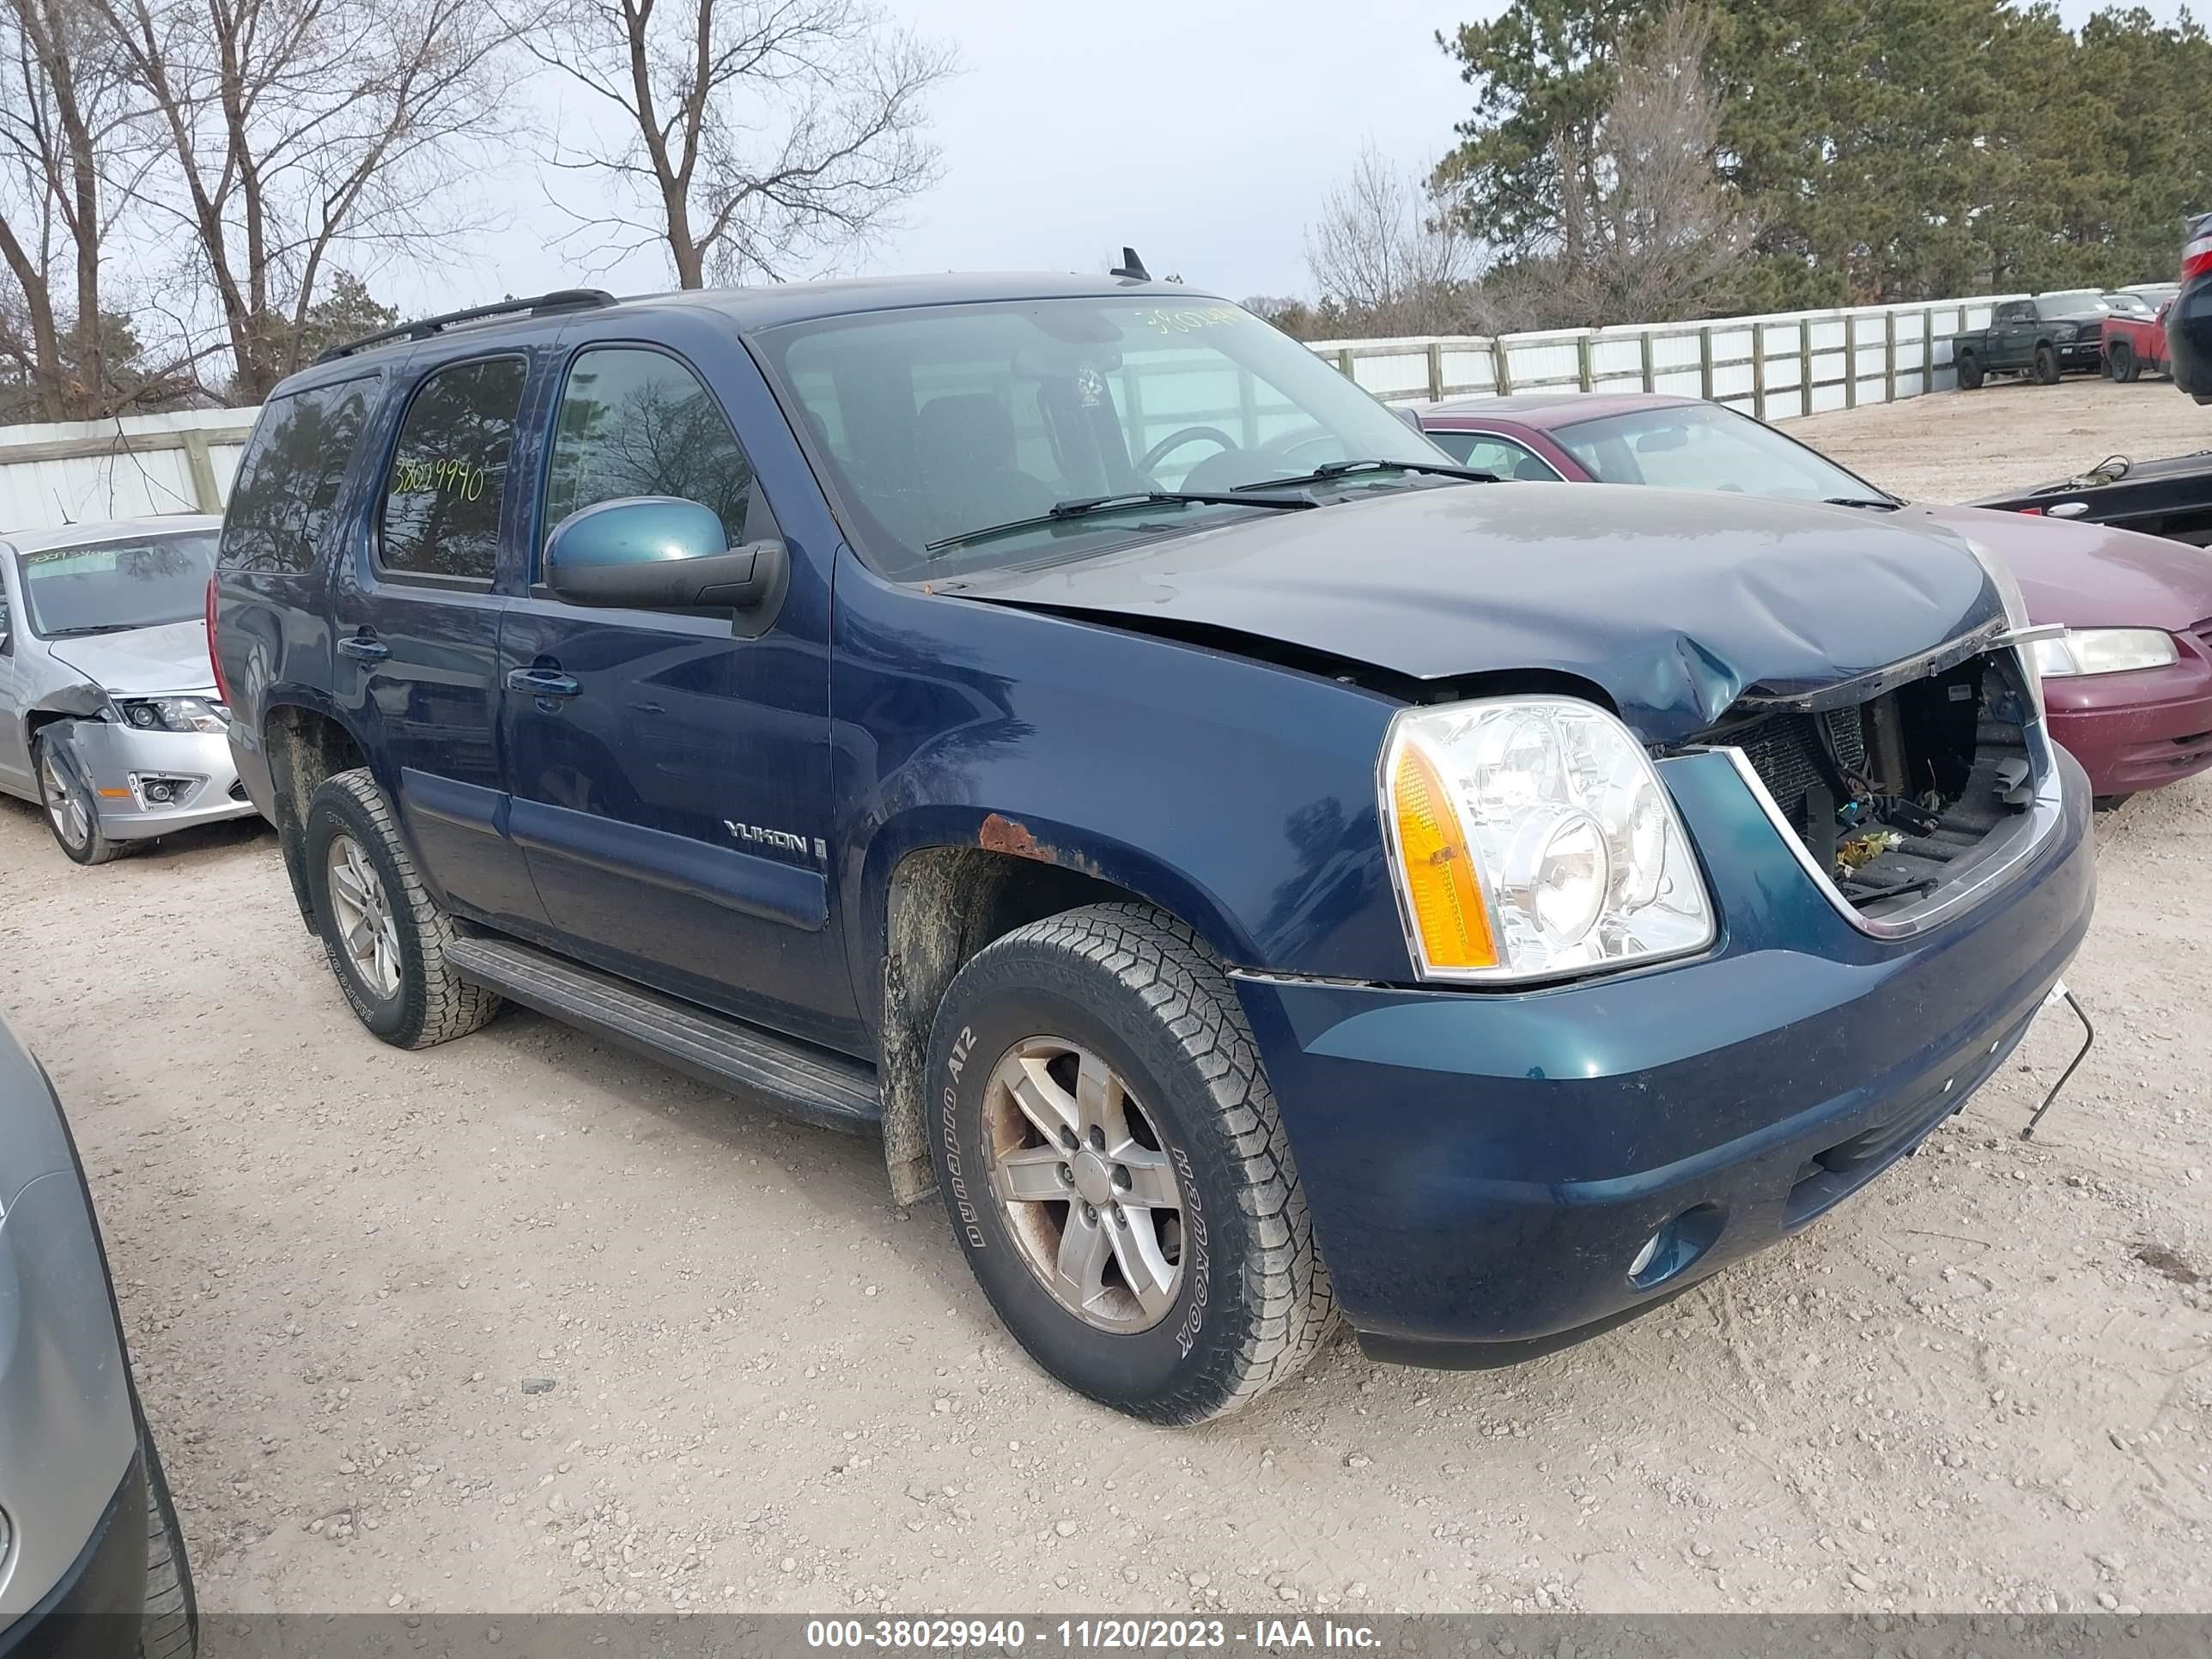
1252	868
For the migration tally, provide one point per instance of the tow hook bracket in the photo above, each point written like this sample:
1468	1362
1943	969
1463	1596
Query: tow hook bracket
2057	993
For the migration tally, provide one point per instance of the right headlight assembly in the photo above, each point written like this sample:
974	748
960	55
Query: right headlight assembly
1530	838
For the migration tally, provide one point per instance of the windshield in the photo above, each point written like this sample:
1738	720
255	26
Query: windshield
936	423
111	586
2072	303
2129	305
1705	446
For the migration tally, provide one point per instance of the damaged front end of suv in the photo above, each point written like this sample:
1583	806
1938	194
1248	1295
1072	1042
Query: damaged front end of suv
1725	850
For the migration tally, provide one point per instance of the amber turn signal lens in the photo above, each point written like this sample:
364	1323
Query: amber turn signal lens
1438	868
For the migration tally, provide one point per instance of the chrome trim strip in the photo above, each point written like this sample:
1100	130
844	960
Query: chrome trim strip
2044	813
1845	694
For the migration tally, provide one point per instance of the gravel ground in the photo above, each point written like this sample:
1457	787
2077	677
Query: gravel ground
523	1324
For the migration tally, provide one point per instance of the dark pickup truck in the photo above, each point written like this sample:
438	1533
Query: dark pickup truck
1255	869
2046	337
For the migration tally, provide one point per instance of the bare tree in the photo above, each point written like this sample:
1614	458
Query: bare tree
1383	258
1644	223
294	131
759	136
62	104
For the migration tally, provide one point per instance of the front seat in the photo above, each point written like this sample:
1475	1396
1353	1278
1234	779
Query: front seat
968	470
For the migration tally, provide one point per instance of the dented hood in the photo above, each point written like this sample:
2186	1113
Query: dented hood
1676	603
142	661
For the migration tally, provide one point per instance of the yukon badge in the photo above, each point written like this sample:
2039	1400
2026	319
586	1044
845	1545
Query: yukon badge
782	840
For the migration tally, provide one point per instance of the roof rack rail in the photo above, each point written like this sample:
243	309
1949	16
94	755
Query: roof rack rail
565	299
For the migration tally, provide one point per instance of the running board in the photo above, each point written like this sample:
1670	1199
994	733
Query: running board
796	1079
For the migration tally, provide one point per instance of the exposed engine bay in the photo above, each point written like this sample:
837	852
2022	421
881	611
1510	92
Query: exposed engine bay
1897	797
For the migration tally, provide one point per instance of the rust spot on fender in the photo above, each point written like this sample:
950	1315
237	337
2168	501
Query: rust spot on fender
1000	834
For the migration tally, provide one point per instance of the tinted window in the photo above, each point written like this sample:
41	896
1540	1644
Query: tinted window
440	510
288	481
1502	456
111	585
635	423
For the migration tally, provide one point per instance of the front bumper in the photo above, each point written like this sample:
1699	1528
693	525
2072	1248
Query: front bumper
2138	730
1483	1170
69	1424
2086	354
128	768
95	1610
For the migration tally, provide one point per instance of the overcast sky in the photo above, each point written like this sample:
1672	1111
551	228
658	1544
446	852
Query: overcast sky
1203	132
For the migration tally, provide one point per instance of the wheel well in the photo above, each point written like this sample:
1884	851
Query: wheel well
946	904
304	748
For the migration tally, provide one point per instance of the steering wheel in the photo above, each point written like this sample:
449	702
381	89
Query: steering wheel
1175	440
1286	446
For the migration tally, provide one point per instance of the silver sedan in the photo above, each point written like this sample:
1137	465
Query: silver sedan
109	716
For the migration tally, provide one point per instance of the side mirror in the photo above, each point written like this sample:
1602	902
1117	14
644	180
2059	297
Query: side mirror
658	553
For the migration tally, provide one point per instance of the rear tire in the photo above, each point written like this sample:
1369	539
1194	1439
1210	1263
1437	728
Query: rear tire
1970	373
2121	360
72	811
2046	366
170	1627
1115	1016
385	935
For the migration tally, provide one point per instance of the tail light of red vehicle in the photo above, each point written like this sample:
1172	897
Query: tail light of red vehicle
215	657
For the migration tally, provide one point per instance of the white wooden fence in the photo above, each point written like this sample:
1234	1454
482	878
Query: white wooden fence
1774	367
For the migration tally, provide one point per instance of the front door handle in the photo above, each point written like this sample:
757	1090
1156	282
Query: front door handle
543	682
363	647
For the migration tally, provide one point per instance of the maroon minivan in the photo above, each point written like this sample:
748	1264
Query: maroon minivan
2129	689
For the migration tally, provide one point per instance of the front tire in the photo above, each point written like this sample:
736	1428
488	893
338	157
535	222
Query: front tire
72	810
2046	366
1110	1156
385	935
1970	373
2121	359
169	1626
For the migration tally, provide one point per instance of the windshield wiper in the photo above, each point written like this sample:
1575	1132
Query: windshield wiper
96	628
1329	470
1861	501
1083	507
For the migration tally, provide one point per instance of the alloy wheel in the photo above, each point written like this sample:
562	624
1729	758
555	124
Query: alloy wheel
1085	1184
367	932
65	805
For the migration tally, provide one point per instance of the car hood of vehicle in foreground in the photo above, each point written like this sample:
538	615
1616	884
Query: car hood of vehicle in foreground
1674	604
2089	575
144	661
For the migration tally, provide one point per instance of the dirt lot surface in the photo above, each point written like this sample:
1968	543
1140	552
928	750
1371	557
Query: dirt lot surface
347	1272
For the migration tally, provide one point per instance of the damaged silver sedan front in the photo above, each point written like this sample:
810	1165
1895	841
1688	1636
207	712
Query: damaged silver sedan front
109	717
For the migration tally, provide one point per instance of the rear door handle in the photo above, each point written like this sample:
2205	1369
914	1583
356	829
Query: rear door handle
543	682
363	647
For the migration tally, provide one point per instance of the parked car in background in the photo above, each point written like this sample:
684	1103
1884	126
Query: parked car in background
2189	317
2129	689
1062	726
108	714
2045	337
2135	341
92	1559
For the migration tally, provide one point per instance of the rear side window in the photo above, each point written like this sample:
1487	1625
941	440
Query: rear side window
289	479
637	422
440	513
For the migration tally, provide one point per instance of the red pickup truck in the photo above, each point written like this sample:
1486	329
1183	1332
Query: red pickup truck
2135	340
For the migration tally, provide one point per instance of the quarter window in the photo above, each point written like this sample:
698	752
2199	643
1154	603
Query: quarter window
288	481
637	423
439	515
